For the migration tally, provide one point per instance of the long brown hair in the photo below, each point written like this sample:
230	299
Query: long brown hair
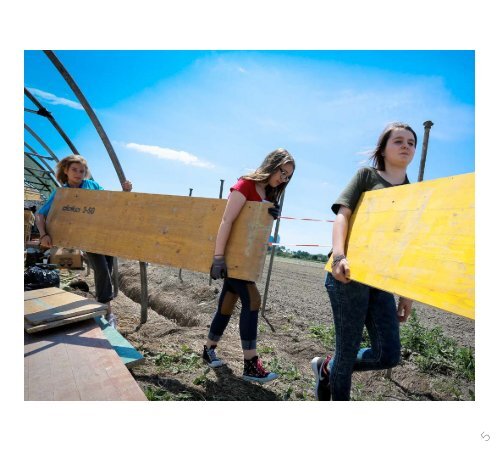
65	163
376	155
269	166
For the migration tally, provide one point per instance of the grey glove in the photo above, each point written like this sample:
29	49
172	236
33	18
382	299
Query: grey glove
218	269
274	211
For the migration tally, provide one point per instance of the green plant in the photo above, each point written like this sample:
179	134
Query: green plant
184	360
202	378
433	352
325	334
287	372
264	349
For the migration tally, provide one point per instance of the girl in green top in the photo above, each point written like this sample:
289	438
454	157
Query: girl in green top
356	305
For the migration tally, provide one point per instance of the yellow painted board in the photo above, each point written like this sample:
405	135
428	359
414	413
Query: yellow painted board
58	306
417	241
179	231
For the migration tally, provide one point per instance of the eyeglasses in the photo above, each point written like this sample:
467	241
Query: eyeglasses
284	176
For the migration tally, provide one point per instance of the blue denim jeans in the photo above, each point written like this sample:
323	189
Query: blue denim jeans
232	290
354	306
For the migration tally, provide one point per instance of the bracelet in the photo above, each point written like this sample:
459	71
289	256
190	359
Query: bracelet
337	259
42	237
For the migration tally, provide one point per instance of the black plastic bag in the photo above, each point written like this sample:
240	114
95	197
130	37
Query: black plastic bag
41	276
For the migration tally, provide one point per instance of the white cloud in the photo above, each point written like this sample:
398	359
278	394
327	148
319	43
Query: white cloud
54	100
171	154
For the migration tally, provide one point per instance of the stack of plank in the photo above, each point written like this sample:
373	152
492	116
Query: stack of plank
52	307
71	352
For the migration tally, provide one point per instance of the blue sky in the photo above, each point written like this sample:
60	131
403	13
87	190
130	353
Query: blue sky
186	119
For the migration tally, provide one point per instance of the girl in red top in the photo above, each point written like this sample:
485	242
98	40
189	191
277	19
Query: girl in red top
266	183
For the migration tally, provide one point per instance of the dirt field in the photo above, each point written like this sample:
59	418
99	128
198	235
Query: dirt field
180	314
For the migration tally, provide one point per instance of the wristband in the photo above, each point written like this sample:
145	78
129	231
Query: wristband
338	258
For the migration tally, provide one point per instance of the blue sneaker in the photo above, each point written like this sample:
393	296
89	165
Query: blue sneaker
253	371
322	374
210	357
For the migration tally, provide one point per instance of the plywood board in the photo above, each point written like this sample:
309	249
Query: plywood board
172	230
58	306
30	329
42	292
76	363
417	241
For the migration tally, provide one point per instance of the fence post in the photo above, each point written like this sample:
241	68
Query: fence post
271	259
144	292
180	269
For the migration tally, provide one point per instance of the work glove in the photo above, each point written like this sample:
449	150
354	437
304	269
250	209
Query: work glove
274	211
218	270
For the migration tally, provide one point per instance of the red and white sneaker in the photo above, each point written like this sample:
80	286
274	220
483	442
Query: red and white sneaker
253	371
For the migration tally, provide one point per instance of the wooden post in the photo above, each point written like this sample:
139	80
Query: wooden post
271	259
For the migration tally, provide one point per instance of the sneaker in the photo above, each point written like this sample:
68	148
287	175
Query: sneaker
322	375
255	372
210	357
112	320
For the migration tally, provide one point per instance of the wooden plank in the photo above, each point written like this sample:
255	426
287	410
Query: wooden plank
42	292
30	329
418	241
178	231
127	353
58	306
76	363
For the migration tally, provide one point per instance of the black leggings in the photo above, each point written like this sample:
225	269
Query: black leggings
250	305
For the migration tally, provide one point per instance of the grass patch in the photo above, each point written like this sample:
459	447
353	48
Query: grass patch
264	349
435	353
159	394
184	360
326	335
287	372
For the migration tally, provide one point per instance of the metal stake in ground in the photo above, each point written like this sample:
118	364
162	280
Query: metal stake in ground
427	129
180	269
271	259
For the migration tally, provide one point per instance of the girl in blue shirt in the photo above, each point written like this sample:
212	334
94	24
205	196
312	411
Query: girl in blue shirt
72	172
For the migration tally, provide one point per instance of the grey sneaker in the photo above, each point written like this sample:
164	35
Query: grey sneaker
210	357
112	320
322	375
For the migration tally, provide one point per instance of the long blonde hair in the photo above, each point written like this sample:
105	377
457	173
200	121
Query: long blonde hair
65	163
269	166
